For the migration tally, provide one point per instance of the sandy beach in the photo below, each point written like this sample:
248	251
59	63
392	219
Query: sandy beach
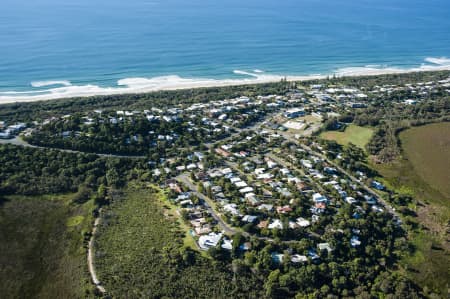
59	89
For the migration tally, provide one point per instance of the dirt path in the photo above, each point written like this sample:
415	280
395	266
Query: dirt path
90	259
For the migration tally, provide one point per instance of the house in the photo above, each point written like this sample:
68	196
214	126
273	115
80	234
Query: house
259	171
370	199
301	186
284	209
226	171
296	258
377	185
240	184
249	218
210	240
202	230
234	180
324	246
271	164
277	258
276	224
222	152
231	208
181	168
216	189
191	166
285	171
354	241
246	246
356	105
313	254
350	200
186	203
303	222
306	163
253	200
264	176
330	170
263	224
292	225
246	190
227	244
285	192
293	113
266	207
377	209
199	155
317	197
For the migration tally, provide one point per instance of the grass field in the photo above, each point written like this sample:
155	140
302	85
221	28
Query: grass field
41	245
140	253
428	150
357	135
423	172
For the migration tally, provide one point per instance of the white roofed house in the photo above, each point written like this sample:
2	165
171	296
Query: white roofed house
211	240
317	198
324	246
246	190
232	209
296	258
303	222
276	223
240	184
271	164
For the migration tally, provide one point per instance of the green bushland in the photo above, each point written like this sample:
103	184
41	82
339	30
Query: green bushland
41	256
43	234
139	253
357	135
420	172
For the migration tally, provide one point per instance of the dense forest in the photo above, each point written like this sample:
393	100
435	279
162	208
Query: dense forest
30	171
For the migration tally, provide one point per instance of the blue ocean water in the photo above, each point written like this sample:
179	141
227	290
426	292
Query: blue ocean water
68	47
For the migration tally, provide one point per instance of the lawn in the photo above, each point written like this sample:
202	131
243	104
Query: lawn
357	135
140	253
41	245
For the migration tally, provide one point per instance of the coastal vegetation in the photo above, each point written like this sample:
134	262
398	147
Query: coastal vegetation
420	172
138	246
42	249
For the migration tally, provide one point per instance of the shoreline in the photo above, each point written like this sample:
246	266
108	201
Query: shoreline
66	90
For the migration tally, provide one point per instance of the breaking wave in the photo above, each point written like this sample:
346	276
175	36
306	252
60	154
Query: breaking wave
46	90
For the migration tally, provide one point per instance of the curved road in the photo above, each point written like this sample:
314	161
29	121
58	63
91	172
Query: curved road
20	142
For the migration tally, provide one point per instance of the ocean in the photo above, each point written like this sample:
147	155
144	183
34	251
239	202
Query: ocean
51	49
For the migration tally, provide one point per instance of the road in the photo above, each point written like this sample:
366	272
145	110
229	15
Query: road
285	163
386	205
20	142
183	178
90	259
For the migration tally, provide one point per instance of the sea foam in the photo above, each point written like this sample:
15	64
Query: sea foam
66	89
50	83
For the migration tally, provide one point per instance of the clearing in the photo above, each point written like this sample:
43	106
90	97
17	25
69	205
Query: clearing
357	135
